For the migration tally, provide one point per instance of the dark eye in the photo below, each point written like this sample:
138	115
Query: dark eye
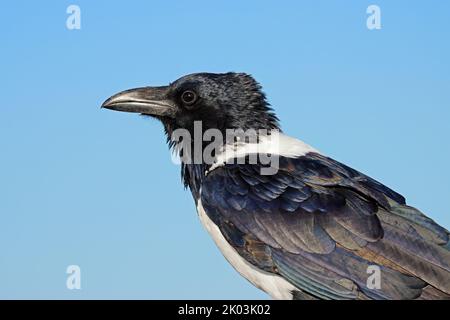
189	97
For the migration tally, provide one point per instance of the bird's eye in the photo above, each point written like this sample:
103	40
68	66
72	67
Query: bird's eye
189	97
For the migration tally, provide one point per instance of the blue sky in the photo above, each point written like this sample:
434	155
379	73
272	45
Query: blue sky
94	188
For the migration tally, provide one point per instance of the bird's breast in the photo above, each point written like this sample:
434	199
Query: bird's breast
274	285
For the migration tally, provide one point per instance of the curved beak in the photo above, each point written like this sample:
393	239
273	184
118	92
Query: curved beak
151	101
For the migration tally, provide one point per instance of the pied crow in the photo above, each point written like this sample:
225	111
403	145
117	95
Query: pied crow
311	228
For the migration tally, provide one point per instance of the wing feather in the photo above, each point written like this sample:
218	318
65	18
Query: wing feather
321	224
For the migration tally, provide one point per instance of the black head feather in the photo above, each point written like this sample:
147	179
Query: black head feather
224	101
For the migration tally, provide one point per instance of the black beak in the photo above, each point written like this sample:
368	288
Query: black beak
151	101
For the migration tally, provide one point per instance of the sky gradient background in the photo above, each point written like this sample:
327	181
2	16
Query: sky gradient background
95	188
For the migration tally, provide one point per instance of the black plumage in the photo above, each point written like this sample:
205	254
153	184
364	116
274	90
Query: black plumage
315	223
325	224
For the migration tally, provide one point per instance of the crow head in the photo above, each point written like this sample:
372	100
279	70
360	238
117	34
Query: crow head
220	101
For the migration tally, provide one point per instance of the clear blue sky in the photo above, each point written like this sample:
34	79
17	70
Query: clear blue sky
95	188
